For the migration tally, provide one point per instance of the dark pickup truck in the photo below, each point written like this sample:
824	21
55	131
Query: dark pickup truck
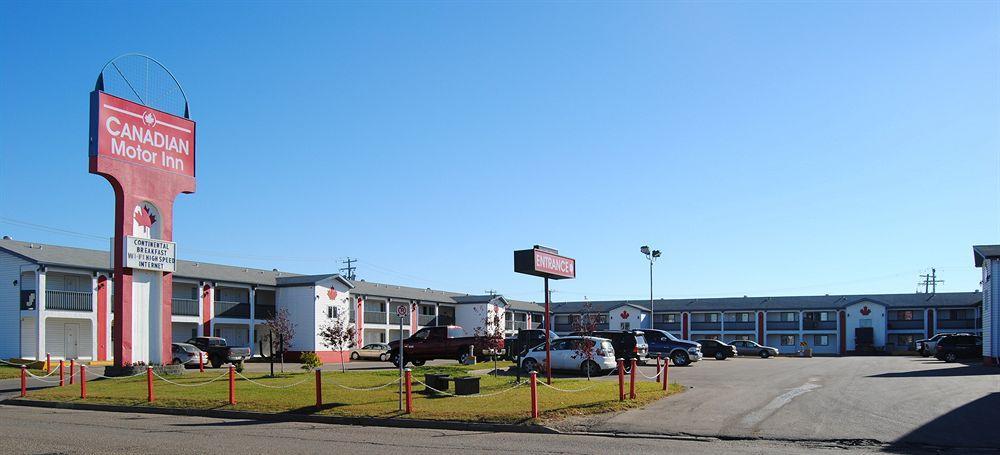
441	342
525	339
219	352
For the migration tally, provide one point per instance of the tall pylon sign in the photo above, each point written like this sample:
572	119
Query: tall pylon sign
143	142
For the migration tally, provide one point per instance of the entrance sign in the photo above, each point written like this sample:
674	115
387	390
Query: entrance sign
548	264
143	142
149	254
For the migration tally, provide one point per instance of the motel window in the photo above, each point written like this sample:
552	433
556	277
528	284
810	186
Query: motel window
743	337
602	319
906	315
626	326
426	310
331	312
822	340
713	317
562	319
788	317
788	340
824	316
743	317
671	318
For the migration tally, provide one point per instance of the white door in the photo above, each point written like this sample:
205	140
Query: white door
71	333
560	351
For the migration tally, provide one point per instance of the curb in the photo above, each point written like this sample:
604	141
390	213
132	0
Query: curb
332	420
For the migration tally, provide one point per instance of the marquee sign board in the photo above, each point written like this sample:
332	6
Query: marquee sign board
149	254
542	263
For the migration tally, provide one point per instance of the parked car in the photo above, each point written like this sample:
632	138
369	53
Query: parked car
185	354
717	349
747	347
954	347
666	345
524	340
219	352
440	342
928	346
568	354
628	344
375	351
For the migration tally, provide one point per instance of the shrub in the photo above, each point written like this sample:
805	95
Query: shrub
310	361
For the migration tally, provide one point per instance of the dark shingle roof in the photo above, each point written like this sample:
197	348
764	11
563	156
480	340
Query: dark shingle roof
983	252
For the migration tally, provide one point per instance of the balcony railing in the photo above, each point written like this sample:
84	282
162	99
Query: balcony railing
184	307
734	325
819	325
264	311
904	324
668	326
427	319
959	323
393	319
782	325
375	317
69	300
224	309
706	326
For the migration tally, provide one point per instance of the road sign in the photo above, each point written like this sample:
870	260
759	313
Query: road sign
401	310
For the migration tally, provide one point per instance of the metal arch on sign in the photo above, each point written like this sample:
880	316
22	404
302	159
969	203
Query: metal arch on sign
100	85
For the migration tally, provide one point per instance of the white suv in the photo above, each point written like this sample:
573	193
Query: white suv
569	353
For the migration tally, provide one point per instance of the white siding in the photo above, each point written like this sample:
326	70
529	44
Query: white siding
55	332
341	303
10	304
28	341
299	300
991	315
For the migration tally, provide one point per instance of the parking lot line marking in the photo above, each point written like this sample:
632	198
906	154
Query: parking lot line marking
759	415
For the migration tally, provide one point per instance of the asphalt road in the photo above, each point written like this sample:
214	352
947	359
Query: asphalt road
47	431
909	400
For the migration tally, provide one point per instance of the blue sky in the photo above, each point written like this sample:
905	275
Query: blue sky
767	148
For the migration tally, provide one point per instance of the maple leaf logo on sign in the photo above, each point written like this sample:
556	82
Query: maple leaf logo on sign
624	314
144	217
148	119
332	294
865	311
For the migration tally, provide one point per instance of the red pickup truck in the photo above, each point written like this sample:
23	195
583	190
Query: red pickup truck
441	342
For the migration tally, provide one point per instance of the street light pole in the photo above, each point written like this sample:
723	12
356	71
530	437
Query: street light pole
651	256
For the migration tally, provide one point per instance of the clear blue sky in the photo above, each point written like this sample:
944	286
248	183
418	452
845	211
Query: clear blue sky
767	149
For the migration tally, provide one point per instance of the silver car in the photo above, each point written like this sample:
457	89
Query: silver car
374	351
747	347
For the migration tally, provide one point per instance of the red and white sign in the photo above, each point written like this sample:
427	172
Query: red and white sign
554	264
141	136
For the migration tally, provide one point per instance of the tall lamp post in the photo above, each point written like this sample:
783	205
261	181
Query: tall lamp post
651	255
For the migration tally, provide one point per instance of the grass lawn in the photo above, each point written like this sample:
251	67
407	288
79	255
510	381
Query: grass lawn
512	406
9	372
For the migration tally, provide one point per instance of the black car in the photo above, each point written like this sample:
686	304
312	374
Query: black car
717	349
525	339
628	345
954	347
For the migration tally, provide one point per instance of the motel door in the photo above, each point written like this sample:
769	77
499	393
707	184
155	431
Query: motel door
71	333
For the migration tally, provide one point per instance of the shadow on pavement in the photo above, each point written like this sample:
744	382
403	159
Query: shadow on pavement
969	426
961	370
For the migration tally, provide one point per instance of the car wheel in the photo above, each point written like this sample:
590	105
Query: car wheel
216	363
529	364
950	357
924	353
419	363
383	357
720	355
764	354
590	368
355	355
680	359
463	356
394	358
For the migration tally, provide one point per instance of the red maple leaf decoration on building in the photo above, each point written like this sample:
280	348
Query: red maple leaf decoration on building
332	294
624	314
865	311
144	218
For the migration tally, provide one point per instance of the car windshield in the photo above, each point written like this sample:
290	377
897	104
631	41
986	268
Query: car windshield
217	342
640	339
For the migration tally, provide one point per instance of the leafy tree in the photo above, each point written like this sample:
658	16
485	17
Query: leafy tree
339	335
489	334
310	361
586	322
282	329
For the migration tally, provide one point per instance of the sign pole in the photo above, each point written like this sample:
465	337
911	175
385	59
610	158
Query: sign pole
399	313
548	341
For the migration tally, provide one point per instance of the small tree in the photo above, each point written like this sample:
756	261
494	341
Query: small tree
340	336
310	361
282	331
586	322
489	334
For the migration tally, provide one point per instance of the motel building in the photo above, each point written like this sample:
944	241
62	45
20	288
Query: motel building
57	300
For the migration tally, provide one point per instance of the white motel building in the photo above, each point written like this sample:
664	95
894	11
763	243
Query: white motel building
57	300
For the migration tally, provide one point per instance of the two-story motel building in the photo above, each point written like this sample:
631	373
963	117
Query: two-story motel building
57	300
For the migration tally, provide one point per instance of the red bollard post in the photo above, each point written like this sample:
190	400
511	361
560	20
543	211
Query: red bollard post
534	395
621	380
48	363
62	373
149	384
631	386
666	372
72	369
658	369
319	388
409	393
24	381
232	385
201	362
83	381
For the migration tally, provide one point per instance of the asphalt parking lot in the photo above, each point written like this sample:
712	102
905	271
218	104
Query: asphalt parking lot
901	400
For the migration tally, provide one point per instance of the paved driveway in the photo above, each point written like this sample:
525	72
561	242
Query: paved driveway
909	400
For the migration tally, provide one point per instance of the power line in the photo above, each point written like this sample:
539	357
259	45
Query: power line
930	282
349	270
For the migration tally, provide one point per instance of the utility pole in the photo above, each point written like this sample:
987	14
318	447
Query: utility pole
491	292
349	270
930	282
